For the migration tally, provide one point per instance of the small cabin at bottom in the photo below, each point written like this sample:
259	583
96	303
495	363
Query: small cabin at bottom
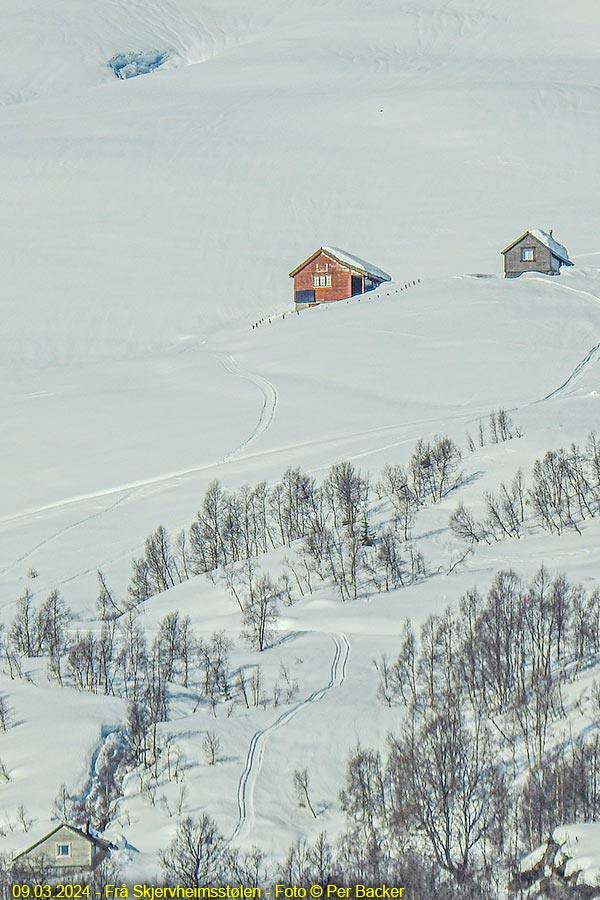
66	848
332	274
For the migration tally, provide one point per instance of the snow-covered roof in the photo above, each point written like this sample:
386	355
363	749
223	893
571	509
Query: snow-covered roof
357	263
347	259
40	837
544	238
552	245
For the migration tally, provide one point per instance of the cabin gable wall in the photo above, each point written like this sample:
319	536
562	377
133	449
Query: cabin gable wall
323	265
514	265
81	851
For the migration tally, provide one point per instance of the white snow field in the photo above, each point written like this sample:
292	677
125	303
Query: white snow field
149	222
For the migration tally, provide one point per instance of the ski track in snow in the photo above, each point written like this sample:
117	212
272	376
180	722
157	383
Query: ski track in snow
256	749
566	287
269	407
267	414
576	375
64	530
265	419
590	359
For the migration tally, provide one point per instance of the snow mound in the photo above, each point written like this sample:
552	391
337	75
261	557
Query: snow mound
580	848
535	859
132	64
116	838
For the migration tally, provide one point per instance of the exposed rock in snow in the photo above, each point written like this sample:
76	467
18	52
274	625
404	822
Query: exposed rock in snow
128	65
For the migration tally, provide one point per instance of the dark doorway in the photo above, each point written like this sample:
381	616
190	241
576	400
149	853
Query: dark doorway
357	285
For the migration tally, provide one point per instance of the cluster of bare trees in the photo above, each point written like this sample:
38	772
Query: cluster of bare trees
331	520
500	428
251	689
566	486
139	745
258	597
39	632
161	567
564	491
482	687
497	651
565	789
338	544
229	527
199	855
434	469
6	877
441	786
118	658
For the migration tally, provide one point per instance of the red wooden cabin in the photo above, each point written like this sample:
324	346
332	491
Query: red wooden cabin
333	274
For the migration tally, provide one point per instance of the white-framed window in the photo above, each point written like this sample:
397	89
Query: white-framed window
528	254
63	850
321	281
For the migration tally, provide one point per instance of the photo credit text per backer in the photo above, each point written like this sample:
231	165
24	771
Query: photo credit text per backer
277	892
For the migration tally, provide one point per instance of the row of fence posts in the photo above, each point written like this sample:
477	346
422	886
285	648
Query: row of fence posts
268	319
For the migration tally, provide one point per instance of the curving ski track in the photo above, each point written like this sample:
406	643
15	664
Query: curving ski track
589	359
267	413
265	420
270	400
254	758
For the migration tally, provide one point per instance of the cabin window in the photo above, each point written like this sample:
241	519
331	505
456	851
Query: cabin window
528	254
63	849
321	281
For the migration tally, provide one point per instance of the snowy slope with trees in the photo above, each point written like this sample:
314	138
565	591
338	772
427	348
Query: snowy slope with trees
212	536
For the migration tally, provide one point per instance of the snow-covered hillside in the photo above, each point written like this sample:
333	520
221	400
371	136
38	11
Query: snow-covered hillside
150	222
422	137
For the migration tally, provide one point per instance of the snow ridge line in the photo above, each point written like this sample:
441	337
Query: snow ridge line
256	749
566	287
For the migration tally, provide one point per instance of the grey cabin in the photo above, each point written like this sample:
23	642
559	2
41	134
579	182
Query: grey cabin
534	251
66	848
